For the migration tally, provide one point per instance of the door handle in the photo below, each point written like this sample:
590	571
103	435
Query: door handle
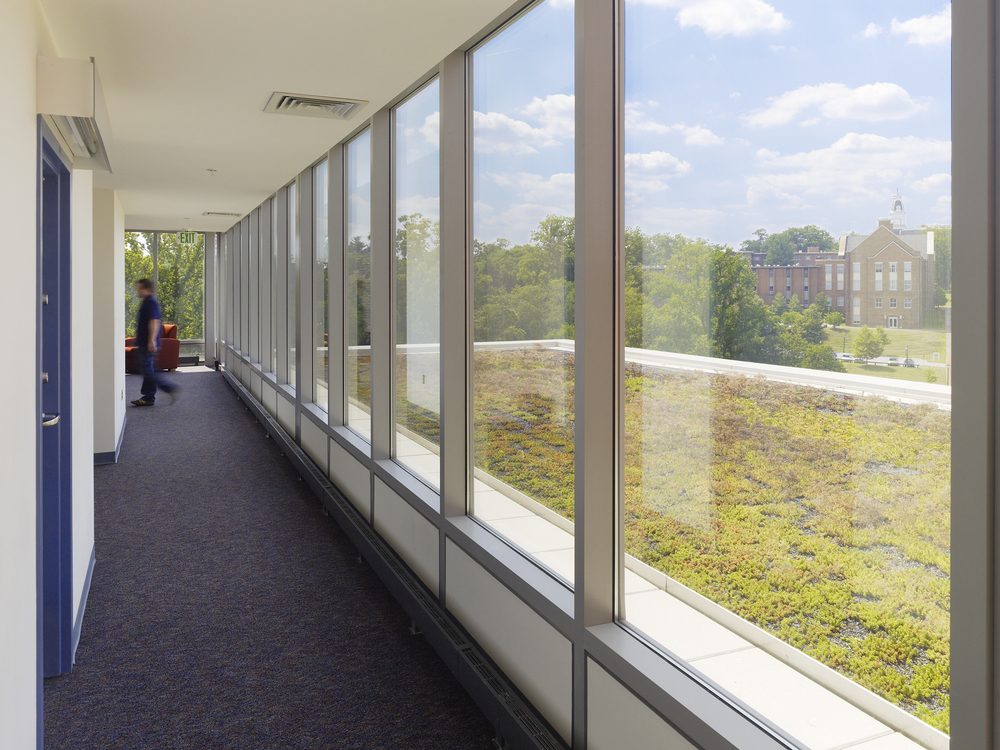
50	420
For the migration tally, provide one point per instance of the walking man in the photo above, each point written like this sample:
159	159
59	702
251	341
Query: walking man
147	339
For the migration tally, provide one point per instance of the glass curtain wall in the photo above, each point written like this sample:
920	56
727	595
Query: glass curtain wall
523	229
292	297
820	516
179	271
321	285
273	291
138	265
359	274
181	288
418	284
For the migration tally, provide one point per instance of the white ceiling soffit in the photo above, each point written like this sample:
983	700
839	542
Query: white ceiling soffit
186	83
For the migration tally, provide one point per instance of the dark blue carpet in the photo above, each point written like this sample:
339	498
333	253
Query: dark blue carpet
227	612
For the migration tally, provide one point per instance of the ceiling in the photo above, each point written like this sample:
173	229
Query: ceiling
186	82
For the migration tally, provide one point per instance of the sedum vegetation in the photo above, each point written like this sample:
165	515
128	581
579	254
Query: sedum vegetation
822	518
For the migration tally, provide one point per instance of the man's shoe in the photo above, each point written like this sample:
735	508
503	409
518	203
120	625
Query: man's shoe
135	402
142	402
174	394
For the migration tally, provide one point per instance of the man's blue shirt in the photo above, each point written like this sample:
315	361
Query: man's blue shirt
148	310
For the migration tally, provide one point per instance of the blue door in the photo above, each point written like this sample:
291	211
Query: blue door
55	537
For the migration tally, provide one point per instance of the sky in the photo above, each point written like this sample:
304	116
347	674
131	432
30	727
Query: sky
740	114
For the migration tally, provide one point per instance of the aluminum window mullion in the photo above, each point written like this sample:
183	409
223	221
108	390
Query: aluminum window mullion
597	343
382	318
264	296
454	273
244	246
305	349
280	280
208	312
974	325
337	231
253	300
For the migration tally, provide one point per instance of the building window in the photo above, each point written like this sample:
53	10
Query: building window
507	365
892	268
892	285
892	301
907	267
292	288
358	306
840	277
829	277
878	302
878	285
840	301
321	286
907	285
418	285
878	269
907	303
856	277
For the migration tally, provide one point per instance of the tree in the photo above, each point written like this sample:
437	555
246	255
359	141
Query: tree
869	344
780	250
738	314
780	305
942	255
794	305
823	304
755	245
834	319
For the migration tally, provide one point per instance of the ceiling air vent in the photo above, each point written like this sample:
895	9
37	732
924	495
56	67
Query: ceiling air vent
281	103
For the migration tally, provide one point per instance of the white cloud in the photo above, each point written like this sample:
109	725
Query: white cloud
650	172
926	30
500	133
735	95
428	205
719	18
777	47
873	102
562	4
556	191
872	30
858	166
933	184
431	129
556	113
636	121
943	206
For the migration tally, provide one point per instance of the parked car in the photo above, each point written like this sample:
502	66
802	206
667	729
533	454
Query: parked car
844	356
893	361
909	363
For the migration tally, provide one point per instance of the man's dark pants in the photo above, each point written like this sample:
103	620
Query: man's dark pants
151	379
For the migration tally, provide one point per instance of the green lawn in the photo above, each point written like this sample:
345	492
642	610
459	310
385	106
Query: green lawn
823	518
922	344
918	374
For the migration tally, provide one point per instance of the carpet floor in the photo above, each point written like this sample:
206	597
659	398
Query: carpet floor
227	612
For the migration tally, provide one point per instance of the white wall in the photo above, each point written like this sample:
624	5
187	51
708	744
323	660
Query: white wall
82	359
23	35
109	320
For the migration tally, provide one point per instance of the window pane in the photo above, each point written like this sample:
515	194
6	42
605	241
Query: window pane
814	505
418	283
359	265
138	265
181	291
274	285
523	180
292	298
321	286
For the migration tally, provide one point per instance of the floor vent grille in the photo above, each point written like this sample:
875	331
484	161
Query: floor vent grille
282	103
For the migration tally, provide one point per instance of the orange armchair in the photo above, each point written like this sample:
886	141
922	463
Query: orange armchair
166	358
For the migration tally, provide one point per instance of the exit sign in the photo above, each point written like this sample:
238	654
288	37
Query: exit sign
187	238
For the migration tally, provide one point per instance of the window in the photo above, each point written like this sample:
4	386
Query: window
878	285
321	285
907	303
523	372
907	267
907	285
892	301
359	274
856	277
703	501
878	302
138	265
418	284
274	284
770	280
892	285
892	268
292	293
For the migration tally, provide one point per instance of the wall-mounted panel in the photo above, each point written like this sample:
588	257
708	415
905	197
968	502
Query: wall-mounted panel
530	651
269	398
286	414
352	478
315	443
255	383
412	536
616	718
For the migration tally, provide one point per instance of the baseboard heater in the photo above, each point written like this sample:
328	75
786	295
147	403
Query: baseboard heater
518	725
